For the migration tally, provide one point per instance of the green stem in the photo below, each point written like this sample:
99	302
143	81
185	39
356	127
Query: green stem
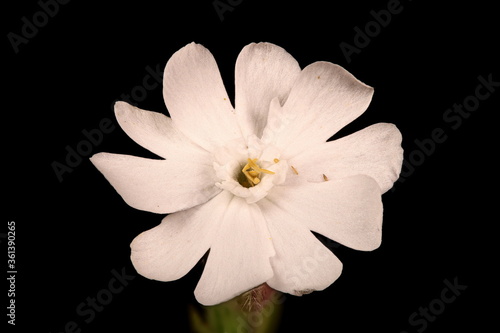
256	311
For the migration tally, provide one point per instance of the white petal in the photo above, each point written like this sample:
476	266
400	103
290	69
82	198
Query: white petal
263	71
347	210
196	98
158	186
324	98
302	263
239	256
155	132
168	251
374	151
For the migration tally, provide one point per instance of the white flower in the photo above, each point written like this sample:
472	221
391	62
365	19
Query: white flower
250	183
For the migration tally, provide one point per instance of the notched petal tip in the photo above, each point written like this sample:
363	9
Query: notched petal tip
122	107
392	139
98	158
372	244
303	292
341	81
171	249
339	73
263	48
188	48
142	256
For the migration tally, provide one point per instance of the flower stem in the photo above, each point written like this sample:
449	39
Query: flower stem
255	311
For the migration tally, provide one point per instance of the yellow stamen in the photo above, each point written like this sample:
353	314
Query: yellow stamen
249	177
276	160
294	170
325	177
252	172
255	167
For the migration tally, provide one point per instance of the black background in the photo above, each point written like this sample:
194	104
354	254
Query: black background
438	223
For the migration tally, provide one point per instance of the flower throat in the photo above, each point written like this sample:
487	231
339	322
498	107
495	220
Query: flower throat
251	172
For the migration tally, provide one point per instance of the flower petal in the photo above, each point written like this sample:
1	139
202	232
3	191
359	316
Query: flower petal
374	151
347	210
168	251
155	132
158	186
239	256
302	264
196	98
263	71
324	98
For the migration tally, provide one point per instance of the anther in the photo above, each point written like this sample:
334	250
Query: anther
252	172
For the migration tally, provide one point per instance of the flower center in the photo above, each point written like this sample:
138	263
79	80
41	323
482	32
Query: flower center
249	169
251	172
